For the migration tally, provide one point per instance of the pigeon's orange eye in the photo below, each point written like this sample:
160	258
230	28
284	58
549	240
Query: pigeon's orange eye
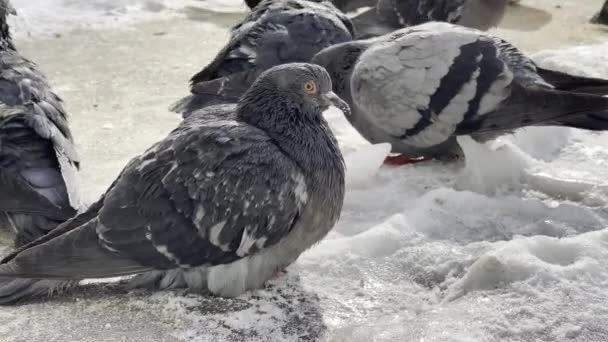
310	87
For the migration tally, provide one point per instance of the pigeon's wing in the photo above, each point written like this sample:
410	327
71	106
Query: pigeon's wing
266	7
73	223
273	7
540	97
233	70
419	84
21	84
425	84
275	38
288	36
235	67
210	193
37	153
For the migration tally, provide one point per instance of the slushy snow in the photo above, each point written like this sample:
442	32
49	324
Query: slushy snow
510	245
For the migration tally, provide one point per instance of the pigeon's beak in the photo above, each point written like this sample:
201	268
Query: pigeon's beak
335	100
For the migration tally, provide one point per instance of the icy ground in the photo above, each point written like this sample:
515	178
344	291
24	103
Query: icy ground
511	246
37	17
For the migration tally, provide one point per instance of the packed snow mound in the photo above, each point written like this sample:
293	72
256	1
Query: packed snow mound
362	165
544	260
578	60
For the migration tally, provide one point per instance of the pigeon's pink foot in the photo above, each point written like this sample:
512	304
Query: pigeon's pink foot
401	159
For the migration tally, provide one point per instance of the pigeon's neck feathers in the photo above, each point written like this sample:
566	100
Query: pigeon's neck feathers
303	136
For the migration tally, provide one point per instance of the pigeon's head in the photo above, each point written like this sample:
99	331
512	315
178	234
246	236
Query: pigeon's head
292	91
339	60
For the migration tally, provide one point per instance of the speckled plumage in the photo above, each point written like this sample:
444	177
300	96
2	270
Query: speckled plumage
38	160
274	33
230	197
420	87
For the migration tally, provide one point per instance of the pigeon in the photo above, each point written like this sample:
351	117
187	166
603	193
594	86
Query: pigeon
229	198
390	15
420	87
342	5
38	159
601	17
274	33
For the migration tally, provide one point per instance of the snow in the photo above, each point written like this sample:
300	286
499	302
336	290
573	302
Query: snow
510	245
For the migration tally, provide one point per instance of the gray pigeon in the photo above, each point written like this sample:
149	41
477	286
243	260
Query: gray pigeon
38	160
224	202
420	87
390	15
274	33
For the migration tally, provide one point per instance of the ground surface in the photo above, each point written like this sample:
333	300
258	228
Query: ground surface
510	247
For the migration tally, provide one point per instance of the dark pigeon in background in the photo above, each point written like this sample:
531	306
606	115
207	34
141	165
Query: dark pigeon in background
342	5
228	199
420	87
601	17
38	160
274	33
390	15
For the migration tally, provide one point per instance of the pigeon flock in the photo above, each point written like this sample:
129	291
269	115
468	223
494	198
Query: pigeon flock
253	176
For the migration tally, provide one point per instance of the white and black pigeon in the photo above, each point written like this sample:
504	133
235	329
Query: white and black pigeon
228	199
420	87
390	15
274	33
38	160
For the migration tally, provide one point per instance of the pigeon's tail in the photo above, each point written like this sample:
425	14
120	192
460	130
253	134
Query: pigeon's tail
542	107
579	84
13	291
77	254
73	251
592	121
29	227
